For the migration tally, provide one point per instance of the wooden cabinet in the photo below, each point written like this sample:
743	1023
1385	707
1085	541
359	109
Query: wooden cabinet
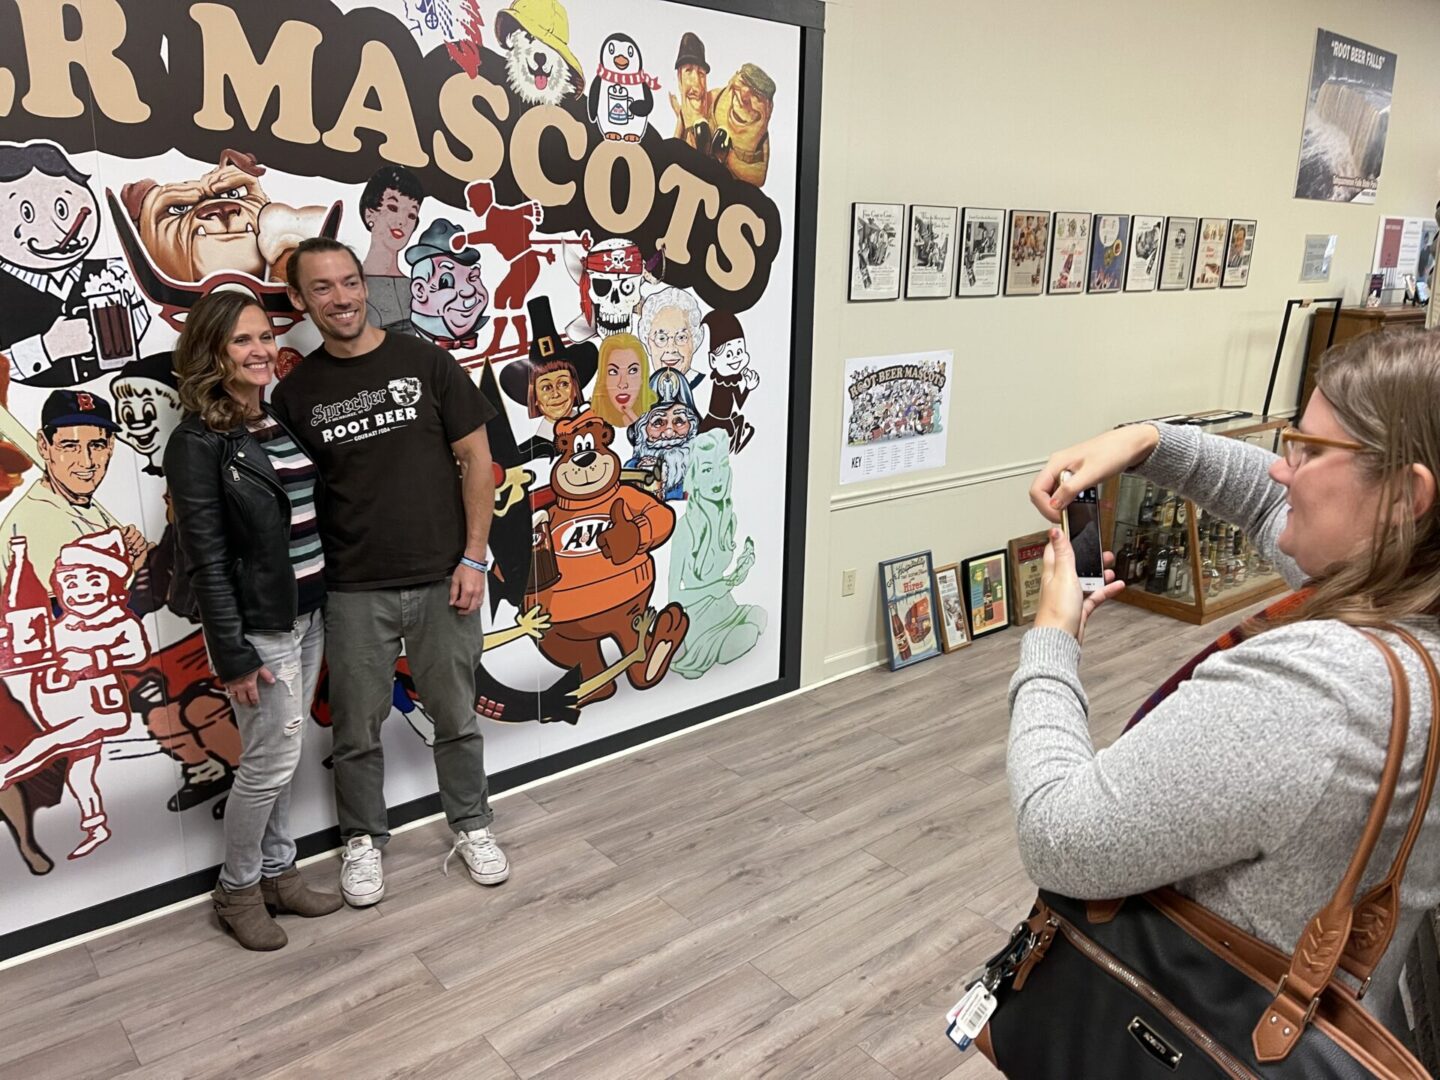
1353	322
1210	569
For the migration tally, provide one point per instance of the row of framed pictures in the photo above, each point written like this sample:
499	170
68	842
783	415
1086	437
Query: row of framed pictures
930	609
949	252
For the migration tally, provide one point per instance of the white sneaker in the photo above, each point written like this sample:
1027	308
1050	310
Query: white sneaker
483	857
362	881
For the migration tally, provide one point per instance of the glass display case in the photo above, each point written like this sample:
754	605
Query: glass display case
1177	560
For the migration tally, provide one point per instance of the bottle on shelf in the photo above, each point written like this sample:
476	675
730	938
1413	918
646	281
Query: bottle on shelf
1146	515
1167	512
1209	571
1179	562
1182	511
1160	567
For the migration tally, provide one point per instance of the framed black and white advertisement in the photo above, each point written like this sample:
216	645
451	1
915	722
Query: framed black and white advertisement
1109	244
907	591
1347	116
980	231
1181	235
1026	246
876	235
950	611
1238	250
1069	252
1147	234
930	255
1210	253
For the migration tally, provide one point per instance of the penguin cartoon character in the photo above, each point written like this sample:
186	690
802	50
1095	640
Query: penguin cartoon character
621	95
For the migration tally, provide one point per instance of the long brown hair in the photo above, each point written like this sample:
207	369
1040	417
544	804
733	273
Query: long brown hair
1385	390
202	363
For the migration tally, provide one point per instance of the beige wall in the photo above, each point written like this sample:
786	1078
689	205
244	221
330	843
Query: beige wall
1121	106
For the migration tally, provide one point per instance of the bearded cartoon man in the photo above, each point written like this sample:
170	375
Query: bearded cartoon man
662	437
448	300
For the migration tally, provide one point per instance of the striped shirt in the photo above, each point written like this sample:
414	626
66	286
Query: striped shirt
297	475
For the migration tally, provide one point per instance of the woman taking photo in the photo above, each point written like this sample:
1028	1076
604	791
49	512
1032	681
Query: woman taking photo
1249	779
244	501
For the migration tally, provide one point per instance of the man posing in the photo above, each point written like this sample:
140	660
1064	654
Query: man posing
386	417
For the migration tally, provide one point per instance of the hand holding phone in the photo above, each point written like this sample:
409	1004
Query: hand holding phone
1081	521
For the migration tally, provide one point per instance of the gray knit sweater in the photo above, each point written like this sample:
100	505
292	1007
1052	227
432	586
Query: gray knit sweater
1249	786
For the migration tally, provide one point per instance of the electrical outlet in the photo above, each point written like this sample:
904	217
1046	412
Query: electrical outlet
847	582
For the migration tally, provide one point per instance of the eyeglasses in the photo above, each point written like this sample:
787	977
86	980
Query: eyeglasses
1296	446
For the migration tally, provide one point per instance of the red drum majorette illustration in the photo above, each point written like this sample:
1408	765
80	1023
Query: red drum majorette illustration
76	692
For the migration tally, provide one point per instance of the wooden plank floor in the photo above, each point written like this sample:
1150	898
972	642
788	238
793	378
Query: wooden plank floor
795	892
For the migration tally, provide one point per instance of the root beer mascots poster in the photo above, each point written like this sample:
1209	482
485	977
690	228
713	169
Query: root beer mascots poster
590	203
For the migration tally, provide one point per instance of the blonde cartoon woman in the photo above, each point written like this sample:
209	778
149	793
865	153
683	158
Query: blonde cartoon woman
622	389
702	577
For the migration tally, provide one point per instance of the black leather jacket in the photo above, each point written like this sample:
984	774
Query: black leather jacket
233	517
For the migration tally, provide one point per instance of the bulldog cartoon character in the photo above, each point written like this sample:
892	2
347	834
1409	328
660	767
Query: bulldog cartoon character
222	221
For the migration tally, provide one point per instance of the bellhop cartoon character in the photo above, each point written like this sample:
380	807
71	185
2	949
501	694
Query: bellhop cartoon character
603	532
621	95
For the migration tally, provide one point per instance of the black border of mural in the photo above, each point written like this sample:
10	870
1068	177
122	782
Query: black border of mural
809	17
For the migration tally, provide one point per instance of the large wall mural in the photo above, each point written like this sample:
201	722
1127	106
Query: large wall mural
591	204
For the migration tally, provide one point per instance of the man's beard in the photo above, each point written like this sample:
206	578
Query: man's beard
673	455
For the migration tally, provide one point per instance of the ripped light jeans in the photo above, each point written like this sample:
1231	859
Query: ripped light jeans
257	813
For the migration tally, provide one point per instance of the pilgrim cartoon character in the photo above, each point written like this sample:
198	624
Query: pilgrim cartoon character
550	383
390	211
68	317
539	67
621	94
731	380
622	388
448	300
603	533
80	700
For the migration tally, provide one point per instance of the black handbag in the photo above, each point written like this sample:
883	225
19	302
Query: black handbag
1159	986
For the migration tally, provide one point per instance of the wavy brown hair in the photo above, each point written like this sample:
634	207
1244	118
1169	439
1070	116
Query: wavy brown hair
1385	390
202	363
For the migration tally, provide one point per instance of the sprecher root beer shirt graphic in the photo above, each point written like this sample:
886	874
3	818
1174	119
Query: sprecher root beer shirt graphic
379	427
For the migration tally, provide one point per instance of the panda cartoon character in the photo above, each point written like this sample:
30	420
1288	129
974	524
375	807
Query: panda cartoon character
621	95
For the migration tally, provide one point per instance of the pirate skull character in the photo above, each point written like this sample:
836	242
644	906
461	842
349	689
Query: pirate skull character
609	275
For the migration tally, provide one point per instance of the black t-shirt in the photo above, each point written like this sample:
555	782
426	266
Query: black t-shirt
379	428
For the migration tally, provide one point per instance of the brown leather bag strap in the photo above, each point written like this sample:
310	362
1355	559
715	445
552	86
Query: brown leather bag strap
1317	953
1379	910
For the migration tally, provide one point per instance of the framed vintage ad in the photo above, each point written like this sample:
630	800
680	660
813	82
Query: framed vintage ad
1026	245
1181	235
1109	245
950	614
1027	561
1347	116
986	593
907	592
875	239
1210	253
980	252
1238	250
930	255
1147	234
1069	252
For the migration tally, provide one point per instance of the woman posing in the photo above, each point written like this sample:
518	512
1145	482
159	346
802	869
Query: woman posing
244	499
1248	784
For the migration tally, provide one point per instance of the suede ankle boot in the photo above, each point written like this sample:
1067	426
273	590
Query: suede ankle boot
287	894
243	913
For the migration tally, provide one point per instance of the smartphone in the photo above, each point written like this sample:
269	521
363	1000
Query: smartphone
1081	520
